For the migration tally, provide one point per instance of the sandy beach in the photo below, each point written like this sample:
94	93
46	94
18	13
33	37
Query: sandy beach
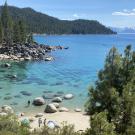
78	119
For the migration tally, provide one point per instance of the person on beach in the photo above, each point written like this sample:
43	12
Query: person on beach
44	122
28	102
39	122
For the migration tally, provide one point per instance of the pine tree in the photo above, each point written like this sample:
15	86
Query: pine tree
126	120
1	32
100	125
106	93
7	24
114	91
17	34
30	38
23	34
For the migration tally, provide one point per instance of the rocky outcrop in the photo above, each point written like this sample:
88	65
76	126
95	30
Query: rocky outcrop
27	52
50	108
38	101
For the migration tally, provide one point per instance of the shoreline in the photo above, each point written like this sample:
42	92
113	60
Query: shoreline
78	119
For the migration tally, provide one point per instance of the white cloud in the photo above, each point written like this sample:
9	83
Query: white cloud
75	15
125	12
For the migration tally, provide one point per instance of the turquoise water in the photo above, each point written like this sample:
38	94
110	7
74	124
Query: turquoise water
73	70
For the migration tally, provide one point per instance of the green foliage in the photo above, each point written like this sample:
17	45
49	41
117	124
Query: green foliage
114	91
64	130
30	38
17	35
1	32
10	126
7	25
22	28
100	125
11	31
20	33
41	23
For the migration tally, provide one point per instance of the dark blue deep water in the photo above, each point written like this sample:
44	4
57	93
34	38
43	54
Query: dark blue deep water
72	71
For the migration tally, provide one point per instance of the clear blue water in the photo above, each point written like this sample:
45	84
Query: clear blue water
73	70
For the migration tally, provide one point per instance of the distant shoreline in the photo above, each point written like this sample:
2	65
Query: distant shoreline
36	34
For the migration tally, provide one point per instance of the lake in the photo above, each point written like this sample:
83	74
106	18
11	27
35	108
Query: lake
72	71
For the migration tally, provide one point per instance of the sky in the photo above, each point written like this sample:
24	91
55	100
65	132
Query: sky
114	13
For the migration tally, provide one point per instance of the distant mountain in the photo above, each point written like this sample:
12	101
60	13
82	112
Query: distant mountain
123	30
41	23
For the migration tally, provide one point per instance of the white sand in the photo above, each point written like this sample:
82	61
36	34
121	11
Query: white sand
78	119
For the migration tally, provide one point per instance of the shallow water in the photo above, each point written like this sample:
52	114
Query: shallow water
73	70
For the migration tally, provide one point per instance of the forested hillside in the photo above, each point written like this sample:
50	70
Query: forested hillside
42	23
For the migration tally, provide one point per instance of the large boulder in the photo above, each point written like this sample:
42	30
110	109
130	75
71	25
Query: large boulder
7	109
57	105
57	99
68	96
38	101
50	108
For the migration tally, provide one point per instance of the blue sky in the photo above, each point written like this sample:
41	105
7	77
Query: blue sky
116	13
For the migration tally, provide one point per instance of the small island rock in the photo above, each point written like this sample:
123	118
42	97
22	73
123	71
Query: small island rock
68	96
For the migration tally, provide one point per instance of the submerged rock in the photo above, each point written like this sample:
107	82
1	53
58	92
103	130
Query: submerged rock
7	98
38	101
25	93
58	95
60	92
50	108
47	91
14	103
17	96
7	65
48	96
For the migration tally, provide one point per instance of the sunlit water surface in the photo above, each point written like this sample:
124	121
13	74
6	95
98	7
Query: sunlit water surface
72	71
